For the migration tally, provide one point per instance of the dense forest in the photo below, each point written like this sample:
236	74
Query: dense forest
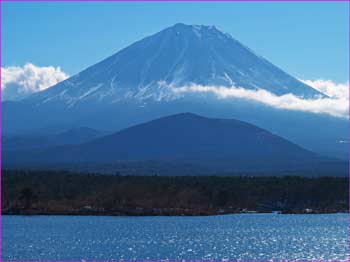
60	192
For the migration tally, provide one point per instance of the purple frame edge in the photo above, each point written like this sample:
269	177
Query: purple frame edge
171	260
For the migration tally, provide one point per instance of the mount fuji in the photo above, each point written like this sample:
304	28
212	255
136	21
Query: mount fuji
139	83
177	56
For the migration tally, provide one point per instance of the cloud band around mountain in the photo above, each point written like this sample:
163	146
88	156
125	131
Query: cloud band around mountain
337	104
18	82
330	88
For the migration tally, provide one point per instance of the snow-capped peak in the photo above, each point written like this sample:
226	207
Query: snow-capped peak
178	55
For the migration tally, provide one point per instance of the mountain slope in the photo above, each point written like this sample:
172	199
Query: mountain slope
219	144
187	135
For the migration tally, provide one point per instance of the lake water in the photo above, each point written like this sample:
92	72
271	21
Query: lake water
245	236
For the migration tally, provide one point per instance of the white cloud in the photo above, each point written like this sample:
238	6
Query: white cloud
328	87
19	82
337	104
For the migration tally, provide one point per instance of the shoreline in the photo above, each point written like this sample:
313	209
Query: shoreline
136	213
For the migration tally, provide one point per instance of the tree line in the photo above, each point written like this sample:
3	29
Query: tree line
61	191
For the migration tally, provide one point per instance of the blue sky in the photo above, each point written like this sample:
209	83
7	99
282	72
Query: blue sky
308	40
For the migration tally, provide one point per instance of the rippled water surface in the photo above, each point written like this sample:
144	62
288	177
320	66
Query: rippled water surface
246	236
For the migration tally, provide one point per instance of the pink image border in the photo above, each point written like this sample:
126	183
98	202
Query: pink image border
195	260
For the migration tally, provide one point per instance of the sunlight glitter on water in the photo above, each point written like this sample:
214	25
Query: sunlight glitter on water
253	236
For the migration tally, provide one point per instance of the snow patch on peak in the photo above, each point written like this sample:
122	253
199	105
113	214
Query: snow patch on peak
197	30
229	79
90	91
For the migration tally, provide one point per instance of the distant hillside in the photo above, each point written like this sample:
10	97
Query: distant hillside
218	145
41	140
189	136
